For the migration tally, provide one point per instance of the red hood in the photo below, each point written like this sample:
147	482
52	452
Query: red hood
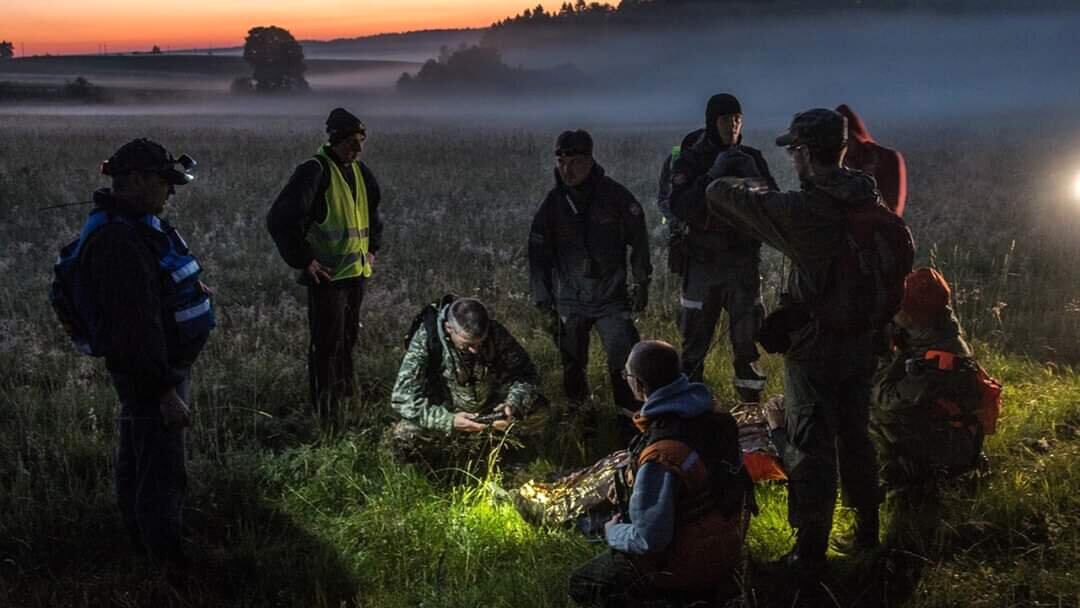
856	128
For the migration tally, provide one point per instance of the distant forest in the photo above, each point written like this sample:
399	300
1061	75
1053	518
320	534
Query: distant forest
539	25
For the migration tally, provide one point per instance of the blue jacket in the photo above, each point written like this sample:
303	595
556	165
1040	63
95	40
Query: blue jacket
652	501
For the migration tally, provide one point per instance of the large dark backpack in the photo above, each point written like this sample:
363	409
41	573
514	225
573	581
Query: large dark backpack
715	437
428	318
866	284
74	306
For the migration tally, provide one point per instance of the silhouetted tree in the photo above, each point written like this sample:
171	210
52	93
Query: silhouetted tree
7	49
276	59
156	50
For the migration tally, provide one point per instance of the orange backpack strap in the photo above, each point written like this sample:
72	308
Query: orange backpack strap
946	361
678	458
672	454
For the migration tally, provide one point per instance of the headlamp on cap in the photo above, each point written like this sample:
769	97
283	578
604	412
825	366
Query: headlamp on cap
145	156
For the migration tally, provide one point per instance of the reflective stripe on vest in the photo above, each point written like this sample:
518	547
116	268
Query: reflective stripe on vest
188	314
185	271
341	241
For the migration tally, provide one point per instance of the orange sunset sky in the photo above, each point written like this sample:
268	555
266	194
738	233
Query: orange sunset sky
81	26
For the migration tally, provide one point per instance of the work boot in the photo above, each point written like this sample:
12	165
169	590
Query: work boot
864	535
806	560
749	382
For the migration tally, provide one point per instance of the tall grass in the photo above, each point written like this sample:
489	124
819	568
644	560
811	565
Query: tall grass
283	515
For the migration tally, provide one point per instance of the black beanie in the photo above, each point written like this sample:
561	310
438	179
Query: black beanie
574	142
341	124
719	105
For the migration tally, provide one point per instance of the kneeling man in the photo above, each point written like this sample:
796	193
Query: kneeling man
462	374
690	495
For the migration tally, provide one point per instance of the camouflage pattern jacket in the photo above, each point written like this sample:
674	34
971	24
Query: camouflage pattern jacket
500	373
915	439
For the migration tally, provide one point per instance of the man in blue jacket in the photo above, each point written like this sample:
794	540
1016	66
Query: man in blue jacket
687	510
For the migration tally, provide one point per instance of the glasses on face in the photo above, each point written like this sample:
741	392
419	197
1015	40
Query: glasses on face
794	149
626	375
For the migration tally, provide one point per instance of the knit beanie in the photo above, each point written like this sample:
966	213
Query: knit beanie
341	124
926	296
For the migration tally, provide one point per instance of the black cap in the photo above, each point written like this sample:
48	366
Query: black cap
146	156
572	143
341	124
819	128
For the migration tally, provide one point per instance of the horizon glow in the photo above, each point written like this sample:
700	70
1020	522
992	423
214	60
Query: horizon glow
71	27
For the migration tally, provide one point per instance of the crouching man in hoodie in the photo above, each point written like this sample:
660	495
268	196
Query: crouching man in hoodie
690	501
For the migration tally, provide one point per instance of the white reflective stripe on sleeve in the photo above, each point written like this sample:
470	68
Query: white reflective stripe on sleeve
757	385
190	313
692	304
185	271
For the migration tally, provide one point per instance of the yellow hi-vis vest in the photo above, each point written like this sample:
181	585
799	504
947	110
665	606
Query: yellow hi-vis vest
341	240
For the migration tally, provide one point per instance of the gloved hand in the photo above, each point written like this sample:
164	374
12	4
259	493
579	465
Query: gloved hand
639	296
733	163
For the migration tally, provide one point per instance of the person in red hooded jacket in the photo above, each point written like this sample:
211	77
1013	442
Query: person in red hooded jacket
884	164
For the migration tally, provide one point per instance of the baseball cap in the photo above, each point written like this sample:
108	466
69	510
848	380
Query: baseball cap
817	128
144	155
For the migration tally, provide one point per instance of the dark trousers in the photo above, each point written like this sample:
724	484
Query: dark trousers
609	580
618	335
334	321
701	310
826	417
151	476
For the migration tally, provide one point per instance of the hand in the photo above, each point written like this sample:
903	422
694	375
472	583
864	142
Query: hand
733	163
463	421
203	287
639	296
774	413
615	519
317	272
502	425
371	260
174	412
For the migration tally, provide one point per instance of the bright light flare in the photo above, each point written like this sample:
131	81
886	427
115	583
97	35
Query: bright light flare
1076	187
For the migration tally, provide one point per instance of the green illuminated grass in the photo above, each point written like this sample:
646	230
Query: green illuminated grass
282	515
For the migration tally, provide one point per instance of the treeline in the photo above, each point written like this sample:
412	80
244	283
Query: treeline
79	89
480	69
539	25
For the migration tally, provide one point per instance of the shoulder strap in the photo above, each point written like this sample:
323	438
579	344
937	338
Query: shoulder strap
671	453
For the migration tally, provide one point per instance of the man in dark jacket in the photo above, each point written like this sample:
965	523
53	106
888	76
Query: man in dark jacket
827	369
683	534
578	246
326	223
885	165
154	317
722	268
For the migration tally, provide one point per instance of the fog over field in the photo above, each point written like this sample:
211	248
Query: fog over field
893	68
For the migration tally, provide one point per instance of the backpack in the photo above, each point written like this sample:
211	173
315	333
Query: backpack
76	311
428	318
976	397
188	313
715	438
867	279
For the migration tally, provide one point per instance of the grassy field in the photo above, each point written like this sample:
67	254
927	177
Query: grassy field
282	515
